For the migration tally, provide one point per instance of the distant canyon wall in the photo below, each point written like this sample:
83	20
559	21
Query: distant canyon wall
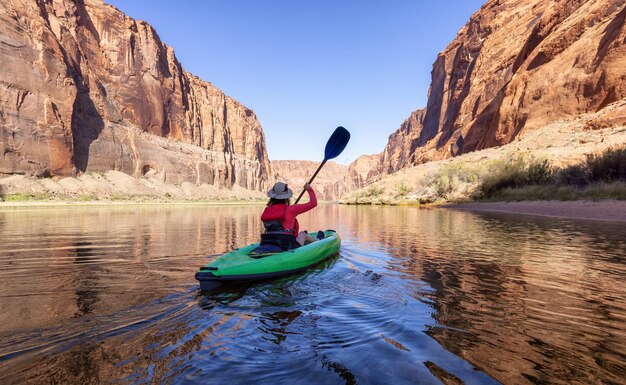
334	180
515	67
330	184
363	171
84	87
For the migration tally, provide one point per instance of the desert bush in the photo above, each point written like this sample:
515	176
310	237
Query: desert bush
598	177
366	195
402	190
455	179
610	166
596	191
20	197
514	172
445	184
539	172
372	191
573	175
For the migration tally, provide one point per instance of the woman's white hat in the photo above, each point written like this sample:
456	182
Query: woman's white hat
280	191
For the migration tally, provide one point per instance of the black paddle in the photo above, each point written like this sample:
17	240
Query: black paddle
335	145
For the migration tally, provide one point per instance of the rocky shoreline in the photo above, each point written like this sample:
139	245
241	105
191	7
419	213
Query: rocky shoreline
116	186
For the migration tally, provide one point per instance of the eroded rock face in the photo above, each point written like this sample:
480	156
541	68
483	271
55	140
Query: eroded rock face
399	148
516	66
82	85
364	170
330	184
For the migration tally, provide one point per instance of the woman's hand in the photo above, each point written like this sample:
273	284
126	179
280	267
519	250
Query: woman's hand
307	186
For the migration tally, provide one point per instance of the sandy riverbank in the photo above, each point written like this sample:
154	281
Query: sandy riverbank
115	186
590	210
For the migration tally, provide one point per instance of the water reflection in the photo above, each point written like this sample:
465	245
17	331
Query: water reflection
275	324
86	296
532	298
416	296
52	258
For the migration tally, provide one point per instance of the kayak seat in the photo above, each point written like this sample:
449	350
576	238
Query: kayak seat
265	250
283	241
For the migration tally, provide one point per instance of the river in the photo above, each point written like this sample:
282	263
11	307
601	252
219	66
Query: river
415	296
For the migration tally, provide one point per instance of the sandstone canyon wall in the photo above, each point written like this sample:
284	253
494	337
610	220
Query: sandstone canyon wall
363	171
398	153
83	87
516	66
330	184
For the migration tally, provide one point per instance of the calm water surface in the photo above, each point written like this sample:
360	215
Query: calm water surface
107	295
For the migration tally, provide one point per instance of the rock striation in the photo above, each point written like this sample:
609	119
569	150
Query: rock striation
515	67
84	87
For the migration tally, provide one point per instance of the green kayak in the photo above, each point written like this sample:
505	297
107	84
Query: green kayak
238	265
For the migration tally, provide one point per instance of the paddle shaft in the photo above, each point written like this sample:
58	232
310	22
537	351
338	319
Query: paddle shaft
311	181
335	145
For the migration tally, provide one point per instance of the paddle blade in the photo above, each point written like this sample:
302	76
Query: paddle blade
336	143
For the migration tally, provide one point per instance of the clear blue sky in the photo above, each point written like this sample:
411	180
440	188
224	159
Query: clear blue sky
308	66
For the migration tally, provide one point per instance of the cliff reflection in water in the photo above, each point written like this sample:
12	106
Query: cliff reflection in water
539	298
105	295
68	263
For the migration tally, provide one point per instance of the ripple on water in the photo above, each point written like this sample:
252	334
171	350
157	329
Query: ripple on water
415	296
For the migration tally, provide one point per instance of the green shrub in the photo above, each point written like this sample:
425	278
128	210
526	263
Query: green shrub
598	177
445	183
501	174
514	172
574	175
373	191
367	195
596	191
403	189
539	172
120	197
610	166
19	197
452	180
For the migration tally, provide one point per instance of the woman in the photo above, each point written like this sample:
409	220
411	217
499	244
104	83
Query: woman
279	218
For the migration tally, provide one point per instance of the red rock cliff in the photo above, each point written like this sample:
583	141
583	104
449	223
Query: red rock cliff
81	84
515	67
364	170
401	143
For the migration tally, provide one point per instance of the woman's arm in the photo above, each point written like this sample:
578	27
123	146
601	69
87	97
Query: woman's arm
304	207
